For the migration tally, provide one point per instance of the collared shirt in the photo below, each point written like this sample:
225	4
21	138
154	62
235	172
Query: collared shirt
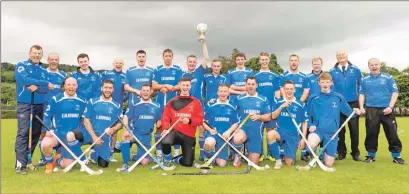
312	81
196	77
299	79
211	85
119	79
378	89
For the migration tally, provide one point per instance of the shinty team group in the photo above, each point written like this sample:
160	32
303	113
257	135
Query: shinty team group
84	108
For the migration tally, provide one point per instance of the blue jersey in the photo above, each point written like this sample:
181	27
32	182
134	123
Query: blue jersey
56	78
167	75
197	78
299	79
119	81
378	89
312	81
89	85
348	84
211	85
142	116
268	82
284	120
26	74
221	115
247	104
237	77
63	113
137	76
324	111
102	113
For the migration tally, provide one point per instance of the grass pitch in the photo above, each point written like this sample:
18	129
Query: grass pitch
383	176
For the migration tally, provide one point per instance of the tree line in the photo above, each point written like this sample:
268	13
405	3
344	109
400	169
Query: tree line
8	88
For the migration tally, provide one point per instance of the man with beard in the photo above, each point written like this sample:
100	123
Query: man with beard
142	116
347	79
89	81
301	86
196	75
101	113
190	110
118	78
55	77
379	93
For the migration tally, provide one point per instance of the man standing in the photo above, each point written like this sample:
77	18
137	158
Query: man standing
190	110
223	119
55	77
268	86
236	77
31	77
252	132
89	81
118	78
346	79
302	89
138	75
287	133
379	92
142	117
64	111
196	75
312	78
166	78
213	80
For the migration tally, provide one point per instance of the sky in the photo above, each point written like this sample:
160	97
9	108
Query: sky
107	30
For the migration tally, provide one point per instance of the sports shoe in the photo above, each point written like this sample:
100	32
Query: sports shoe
159	156
117	147
369	159
49	168
112	159
278	164
398	160
305	158
21	170
55	160
124	168
89	159
340	157
237	161
270	158
261	158
41	162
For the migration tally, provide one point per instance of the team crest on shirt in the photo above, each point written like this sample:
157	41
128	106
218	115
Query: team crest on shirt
210	81
258	103
42	75
270	77
93	78
312	80
110	110
173	72
228	111
300	79
295	109
334	105
152	110
148	74
383	81
77	107
351	71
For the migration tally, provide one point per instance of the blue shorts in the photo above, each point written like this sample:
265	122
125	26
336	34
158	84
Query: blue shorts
331	149
254	141
219	142
271	124
146	140
289	143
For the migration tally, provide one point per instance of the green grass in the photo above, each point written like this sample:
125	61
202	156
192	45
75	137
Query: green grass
383	176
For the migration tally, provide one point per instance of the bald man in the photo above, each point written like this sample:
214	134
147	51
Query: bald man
64	111
347	78
56	77
379	93
119	79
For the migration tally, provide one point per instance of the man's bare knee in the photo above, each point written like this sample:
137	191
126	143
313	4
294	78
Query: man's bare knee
272	135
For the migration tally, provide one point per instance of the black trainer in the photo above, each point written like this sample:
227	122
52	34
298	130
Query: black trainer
21	170
369	159
340	157
305	158
356	157
398	160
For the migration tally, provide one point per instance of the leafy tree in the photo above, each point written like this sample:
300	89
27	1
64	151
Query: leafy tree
390	70
402	81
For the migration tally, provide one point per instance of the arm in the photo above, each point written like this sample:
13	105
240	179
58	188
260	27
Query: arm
265	117
362	101
156	86
205	54
278	93
393	99
236	90
130	89
197	117
305	94
89	128
22	77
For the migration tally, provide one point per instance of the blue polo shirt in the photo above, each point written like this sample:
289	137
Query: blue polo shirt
312	82
378	89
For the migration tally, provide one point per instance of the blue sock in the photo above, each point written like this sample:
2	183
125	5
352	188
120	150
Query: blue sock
94	155
395	155
303	152
41	151
177	159
281	152
157	137
208	153
49	159
372	154
201	144
274	150
167	157
176	147
125	150
238	147
75	147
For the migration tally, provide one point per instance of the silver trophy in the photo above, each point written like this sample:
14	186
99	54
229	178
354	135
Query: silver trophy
202	29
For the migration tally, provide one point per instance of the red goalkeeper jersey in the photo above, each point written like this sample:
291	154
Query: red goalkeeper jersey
183	106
